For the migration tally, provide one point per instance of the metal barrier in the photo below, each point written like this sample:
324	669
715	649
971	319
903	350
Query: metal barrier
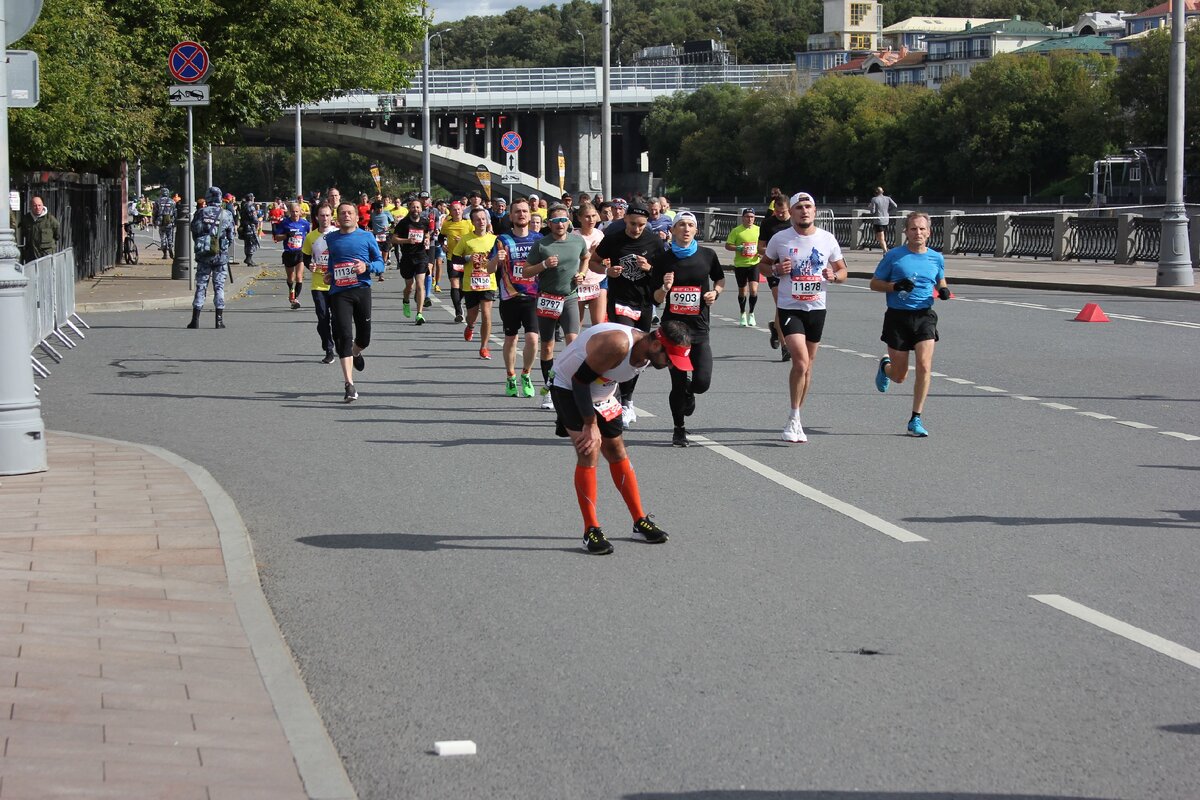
50	306
1092	238
866	234
1147	236
976	235
937	234
1031	236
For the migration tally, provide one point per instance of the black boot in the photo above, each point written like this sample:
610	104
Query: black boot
195	323
220	318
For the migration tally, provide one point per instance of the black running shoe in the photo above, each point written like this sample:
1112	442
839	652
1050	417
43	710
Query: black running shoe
428	303
329	358
595	542
458	317
360	363
679	439
689	405
351	393
646	529
774	336
786	355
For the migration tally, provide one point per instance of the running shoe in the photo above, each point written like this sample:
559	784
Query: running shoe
628	415
526	385
656	320
689	404
468	333
743	320
679	438
794	431
360	363
407	310
596	543
646	528
329	358
916	427
510	383
547	402
774	336
786	355
437	288
351	393
485	353
458	317
751	321
428	303
295	304
420	319
882	381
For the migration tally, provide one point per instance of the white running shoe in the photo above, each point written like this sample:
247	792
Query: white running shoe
628	415
751	321
547	402
794	432
743	320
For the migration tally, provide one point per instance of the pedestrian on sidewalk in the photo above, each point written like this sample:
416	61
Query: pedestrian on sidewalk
40	232
250	223
880	207
212	236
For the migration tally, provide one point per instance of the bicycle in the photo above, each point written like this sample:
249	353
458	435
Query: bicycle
129	248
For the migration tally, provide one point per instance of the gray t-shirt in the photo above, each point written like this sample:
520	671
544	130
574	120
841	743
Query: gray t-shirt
879	208
558	280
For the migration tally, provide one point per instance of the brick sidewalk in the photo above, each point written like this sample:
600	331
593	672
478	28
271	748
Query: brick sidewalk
125	668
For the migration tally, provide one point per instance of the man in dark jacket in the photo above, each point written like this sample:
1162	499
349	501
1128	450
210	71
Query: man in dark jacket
40	235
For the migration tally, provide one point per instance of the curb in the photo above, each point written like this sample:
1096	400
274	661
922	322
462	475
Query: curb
181	301
317	760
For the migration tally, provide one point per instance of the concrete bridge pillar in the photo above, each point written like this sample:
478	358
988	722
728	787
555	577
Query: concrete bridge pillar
487	144
541	146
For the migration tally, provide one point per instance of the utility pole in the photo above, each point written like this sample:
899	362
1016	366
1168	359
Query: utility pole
606	103
426	182
1174	251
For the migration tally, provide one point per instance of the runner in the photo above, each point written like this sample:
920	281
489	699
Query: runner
381	226
626	248
316	258
353	258
743	243
479	277
441	216
592	286
586	376
432	222
291	232
164	219
806	258
778	220
689	279
411	234
518	299
453	229
910	274
558	261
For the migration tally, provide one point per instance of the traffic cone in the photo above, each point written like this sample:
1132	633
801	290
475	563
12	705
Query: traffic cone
762	278
1091	313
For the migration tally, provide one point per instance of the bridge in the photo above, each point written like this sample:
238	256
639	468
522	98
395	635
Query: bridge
552	108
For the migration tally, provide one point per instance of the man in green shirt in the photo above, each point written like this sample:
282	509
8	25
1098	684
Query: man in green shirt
743	243
40	235
558	260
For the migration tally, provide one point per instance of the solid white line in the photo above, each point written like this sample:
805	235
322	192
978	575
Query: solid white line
804	490
1141	426
1113	625
1059	407
1187	437
1094	415
991	389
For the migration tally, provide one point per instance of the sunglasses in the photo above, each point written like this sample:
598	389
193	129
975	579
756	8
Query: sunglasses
558	219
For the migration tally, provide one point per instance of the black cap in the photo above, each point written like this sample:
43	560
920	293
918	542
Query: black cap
641	210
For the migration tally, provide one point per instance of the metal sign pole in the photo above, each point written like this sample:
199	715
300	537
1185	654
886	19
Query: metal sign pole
191	204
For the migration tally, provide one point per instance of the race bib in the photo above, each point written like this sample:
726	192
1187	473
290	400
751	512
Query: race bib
456	267
629	313
480	281
415	235
749	249
609	408
684	300
589	291
320	262
381	238
345	273
550	305
518	271
806	288
295	241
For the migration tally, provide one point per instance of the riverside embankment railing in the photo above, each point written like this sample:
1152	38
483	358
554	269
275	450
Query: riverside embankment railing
1124	236
50	307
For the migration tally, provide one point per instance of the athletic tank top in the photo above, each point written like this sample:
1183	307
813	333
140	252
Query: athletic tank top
571	359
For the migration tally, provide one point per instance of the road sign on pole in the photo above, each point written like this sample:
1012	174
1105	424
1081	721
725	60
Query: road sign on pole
508	178
510	162
188	62
510	142
188	94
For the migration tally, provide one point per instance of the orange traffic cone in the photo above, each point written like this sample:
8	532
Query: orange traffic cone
1091	313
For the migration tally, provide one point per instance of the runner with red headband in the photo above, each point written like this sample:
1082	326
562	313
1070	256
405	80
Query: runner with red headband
586	376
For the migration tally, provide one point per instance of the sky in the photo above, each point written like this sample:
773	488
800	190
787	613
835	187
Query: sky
450	10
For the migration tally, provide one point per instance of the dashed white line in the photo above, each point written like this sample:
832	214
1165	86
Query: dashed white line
1141	426
992	389
1024	397
1059	406
1187	437
1123	629
816	495
1124	317
961	381
1094	415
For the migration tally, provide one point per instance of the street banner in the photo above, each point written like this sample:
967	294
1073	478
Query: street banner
562	171
375	177
485	180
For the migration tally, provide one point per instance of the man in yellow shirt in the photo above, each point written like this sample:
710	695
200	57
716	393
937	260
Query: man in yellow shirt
454	228
743	243
478	277
316	258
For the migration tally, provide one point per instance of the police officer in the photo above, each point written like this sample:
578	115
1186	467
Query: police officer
164	218
212	236
250	218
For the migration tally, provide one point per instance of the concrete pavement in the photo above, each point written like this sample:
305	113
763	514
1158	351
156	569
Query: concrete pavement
140	657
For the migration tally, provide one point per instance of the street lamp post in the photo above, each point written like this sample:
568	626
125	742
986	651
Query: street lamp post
441	44
606	105
583	41
426	182
487	50
1174	252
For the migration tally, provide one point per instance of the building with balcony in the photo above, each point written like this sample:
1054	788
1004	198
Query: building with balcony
1158	17
851	29
912	32
956	54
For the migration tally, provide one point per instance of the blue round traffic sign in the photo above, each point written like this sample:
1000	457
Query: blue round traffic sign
510	142
188	62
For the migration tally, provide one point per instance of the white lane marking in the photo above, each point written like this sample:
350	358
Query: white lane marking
1059	407
816	495
1124	629
641	412
1125	317
1094	415
991	389
962	381
933	374
1187	437
1141	426
1024	397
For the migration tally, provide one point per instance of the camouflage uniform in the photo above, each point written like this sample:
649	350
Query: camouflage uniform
164	218
213	220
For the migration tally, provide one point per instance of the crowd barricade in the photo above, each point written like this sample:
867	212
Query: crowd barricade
50	317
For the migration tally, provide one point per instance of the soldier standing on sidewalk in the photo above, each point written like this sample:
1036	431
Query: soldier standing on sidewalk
212	236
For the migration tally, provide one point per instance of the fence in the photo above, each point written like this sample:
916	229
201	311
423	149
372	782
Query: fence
89	213
50	306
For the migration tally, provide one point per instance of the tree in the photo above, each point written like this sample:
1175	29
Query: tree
1142	89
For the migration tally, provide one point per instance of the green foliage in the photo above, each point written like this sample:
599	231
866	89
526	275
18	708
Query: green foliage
105	78
1142	89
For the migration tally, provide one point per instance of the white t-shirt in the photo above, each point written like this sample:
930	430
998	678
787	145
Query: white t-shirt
804	289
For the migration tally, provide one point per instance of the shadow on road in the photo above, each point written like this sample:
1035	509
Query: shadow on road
821	794
431	542
1188	520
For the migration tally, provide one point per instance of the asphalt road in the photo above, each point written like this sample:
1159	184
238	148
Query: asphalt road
420	549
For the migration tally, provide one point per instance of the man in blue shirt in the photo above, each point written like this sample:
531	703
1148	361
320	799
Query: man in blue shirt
910	275
354	257
291	232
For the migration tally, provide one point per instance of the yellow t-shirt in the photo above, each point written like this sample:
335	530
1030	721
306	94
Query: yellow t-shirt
454	231
475	244
746	241
314	245
305	209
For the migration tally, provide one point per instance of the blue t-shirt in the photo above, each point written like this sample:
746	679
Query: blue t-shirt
293	232
356	245
925	270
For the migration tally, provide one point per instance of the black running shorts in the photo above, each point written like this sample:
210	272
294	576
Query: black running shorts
809	324
902	329
519	311
570	418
